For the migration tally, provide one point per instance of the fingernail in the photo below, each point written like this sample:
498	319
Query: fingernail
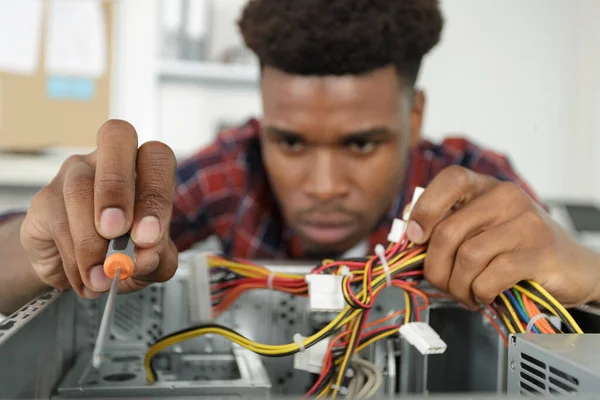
90	294
415	232
112	222
147	231
98	279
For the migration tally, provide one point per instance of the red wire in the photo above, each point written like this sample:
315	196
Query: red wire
494	324
417	312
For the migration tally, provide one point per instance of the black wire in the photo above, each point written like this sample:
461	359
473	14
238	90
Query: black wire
328	333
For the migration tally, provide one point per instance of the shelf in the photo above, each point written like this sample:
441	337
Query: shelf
34	171
208	73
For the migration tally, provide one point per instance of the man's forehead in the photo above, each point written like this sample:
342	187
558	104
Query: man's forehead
285	88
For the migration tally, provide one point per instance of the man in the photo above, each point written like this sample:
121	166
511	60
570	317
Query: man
334	158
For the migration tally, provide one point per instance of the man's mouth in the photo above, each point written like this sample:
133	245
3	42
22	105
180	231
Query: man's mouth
329	232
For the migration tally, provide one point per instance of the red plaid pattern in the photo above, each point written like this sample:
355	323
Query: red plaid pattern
222	190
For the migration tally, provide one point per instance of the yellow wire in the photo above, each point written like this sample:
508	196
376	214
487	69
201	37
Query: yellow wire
509	326
537	299
556	304
512	312
347	316
407	308
346	359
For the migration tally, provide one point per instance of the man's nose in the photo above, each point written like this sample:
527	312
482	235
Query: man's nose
327	178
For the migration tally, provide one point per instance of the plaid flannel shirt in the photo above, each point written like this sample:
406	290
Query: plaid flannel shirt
222	190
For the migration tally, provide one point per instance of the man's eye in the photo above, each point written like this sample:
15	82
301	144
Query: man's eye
292	145
362	146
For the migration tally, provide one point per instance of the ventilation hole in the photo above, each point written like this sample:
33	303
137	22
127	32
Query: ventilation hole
290	375
45	297
378	308
91	383
292	309
152	299
7	325
291	322
280	381
529	389
139	337
533	360
153	289
283	303
258	306
562	385
533	371
564	375
533	380
554	391
283	315
141	296
120	377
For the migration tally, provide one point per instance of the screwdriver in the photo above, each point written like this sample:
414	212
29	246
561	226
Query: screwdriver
118	265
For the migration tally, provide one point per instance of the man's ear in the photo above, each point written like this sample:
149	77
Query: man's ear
416	117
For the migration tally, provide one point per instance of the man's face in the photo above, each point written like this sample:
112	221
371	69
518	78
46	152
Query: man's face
335	151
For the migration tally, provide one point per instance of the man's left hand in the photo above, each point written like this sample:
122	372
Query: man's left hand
486	235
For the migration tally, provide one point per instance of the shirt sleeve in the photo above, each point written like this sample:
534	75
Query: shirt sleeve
10	214
205	197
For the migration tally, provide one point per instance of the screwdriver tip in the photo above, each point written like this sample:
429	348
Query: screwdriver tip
97	361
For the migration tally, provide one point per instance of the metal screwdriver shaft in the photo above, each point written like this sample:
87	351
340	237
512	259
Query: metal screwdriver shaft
118	265
104	330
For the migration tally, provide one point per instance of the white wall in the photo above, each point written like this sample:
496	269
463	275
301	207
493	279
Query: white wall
503	75
588	85
508	74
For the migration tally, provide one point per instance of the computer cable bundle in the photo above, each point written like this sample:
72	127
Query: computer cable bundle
399	266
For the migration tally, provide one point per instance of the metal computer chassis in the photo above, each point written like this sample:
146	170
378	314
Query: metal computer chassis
45	348
554	364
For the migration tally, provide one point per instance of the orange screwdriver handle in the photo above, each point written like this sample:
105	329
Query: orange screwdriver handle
120	255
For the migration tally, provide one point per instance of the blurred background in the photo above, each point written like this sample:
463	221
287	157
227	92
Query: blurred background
519	76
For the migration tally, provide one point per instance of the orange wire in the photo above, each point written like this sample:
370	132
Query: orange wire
542	324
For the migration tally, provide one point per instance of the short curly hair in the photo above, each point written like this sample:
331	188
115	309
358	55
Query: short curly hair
339	37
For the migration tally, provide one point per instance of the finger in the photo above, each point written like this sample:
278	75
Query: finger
450	189
157	264
50	208
501	203
155	192
528	230
503	272
114	187
90	248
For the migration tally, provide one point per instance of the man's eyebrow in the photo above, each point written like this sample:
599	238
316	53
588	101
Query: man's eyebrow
368	134
280	133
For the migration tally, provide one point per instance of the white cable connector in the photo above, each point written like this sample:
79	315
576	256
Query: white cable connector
397	231
380	252
270	280
325	292
423	337
312	358
417	193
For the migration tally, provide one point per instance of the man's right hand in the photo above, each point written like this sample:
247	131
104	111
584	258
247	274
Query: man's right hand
94	198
